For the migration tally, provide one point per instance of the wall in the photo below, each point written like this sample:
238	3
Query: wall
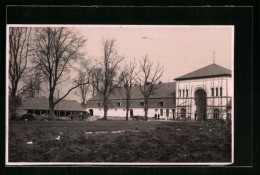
120	112
213	102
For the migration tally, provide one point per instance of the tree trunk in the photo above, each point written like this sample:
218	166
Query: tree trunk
105	109
146	112
127	108
51	107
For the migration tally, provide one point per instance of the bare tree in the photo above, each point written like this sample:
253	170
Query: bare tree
147	80
84	74
110	66
128	76
19	49
33	85
96	77
55	48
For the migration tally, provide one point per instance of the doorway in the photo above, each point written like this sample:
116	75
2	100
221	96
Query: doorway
201	104
91	112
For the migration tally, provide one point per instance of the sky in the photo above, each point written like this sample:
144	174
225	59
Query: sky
179	49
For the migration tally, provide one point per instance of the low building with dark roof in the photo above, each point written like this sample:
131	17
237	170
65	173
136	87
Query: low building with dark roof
205	93
41	106
161	102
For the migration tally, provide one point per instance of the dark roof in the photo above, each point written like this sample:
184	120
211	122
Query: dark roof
152	103
165	90
43	104
212	70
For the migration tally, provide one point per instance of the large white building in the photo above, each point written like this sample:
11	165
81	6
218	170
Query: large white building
162	102
202	94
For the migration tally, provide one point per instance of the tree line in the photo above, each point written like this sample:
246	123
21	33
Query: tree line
49	55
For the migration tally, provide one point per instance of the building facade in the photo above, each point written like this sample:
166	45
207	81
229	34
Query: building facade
204	94
160	103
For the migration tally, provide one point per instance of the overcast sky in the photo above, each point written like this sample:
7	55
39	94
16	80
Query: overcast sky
179	49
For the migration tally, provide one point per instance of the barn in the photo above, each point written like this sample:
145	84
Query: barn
161	102
41	106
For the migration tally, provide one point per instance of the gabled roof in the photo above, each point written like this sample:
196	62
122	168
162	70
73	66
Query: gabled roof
165	90
212	70
43	104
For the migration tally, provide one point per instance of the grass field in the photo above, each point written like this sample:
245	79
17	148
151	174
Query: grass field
136	141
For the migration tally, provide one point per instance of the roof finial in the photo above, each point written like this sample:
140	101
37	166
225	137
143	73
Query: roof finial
213	57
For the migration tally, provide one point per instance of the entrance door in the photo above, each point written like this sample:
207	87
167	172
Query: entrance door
201	104
131	113
91	112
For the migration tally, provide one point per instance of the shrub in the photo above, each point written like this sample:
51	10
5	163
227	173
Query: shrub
27	117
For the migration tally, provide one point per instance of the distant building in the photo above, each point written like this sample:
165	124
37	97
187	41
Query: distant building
41	106
162	102
204	94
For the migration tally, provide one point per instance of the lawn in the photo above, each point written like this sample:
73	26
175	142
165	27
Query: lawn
119	141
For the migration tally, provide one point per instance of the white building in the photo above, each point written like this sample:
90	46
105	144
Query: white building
162	102
204	94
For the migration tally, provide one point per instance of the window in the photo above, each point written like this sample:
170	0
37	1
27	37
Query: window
180	93
187	93
167	112
216	91
118	104
161	103
183	92
142	103
220	91
183	112
99	104
161	112
212	92
216	113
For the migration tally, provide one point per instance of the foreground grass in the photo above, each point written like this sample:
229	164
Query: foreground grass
141	142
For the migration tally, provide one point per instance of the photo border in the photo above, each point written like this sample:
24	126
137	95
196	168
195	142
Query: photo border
240	17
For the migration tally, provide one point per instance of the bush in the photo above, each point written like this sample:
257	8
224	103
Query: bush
137	117
27	117
215	122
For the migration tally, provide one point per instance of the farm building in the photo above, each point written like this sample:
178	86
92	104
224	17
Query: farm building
202	94
162	102
41	106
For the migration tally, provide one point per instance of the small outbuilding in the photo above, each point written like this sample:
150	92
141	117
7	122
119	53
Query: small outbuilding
41	106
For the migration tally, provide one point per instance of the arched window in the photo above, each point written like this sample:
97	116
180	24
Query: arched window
216	113
180	93
220	91
167	112
183	112
183	92
187	93
212	92
216	91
